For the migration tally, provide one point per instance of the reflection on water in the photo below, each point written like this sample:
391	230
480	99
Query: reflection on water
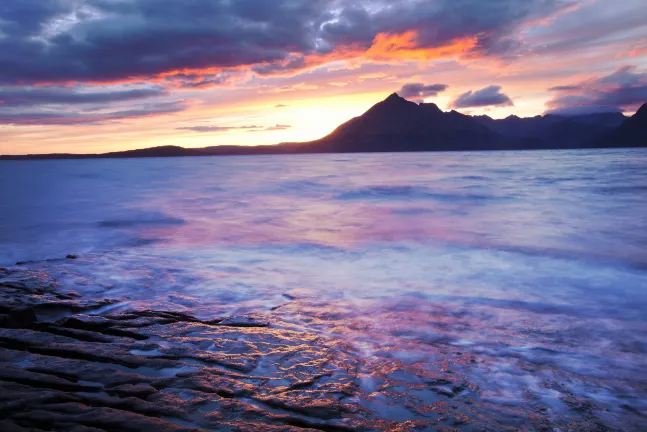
514	281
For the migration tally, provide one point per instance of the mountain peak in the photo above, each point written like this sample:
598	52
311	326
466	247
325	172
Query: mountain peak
642	112
393	104
394	97
430	107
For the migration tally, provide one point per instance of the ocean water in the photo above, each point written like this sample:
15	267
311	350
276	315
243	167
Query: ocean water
530	268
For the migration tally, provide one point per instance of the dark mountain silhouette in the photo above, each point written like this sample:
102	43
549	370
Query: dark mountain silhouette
398	125
555	131
632	133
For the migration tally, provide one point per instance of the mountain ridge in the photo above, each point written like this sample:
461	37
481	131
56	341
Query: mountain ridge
398	125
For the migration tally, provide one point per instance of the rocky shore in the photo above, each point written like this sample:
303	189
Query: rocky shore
69	363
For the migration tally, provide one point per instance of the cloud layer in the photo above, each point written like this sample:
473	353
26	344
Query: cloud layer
61	41
38	96
70	118
623	90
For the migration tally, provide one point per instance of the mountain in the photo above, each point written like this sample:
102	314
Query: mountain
632	133
398	125
554	131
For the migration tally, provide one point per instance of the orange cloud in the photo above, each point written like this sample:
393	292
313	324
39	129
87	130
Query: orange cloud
638	50
405	46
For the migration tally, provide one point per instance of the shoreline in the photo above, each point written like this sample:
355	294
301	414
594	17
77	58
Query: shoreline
71	363
157	370
65	365
100	156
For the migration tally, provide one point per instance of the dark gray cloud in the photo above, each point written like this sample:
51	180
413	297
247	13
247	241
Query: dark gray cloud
52	117
197	81
106	41
291	64
36	105
623	90
36	96
489	96
25	18
417	92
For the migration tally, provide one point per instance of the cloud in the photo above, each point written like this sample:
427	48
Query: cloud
418	92
564	88
281	106
278	127
593	25
286	66
217	129
202	44
99	41
198	81
623	90
289	88
67	118
36	96
36	105
489	96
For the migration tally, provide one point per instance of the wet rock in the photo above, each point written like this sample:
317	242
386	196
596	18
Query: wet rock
299	293
17	317
137	390
5	320
67	415
81	335
89	371
9	426
10	373
249	321
317	406
160	370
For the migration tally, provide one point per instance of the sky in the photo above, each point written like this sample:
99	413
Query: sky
89	76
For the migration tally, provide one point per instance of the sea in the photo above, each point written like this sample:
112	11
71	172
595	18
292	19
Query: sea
532	264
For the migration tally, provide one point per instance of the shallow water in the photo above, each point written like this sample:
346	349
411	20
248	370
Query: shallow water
522	273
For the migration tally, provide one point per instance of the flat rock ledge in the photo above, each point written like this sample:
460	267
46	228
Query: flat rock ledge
68	364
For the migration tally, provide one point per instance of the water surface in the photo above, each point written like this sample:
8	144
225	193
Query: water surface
525	273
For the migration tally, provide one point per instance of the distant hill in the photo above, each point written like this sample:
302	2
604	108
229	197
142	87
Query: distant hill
162	151
398	125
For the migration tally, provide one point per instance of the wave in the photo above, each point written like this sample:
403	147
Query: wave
155	219
409	192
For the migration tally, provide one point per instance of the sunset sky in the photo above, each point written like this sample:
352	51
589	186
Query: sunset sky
86	76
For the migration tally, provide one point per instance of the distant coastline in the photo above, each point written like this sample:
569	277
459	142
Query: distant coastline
398	125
